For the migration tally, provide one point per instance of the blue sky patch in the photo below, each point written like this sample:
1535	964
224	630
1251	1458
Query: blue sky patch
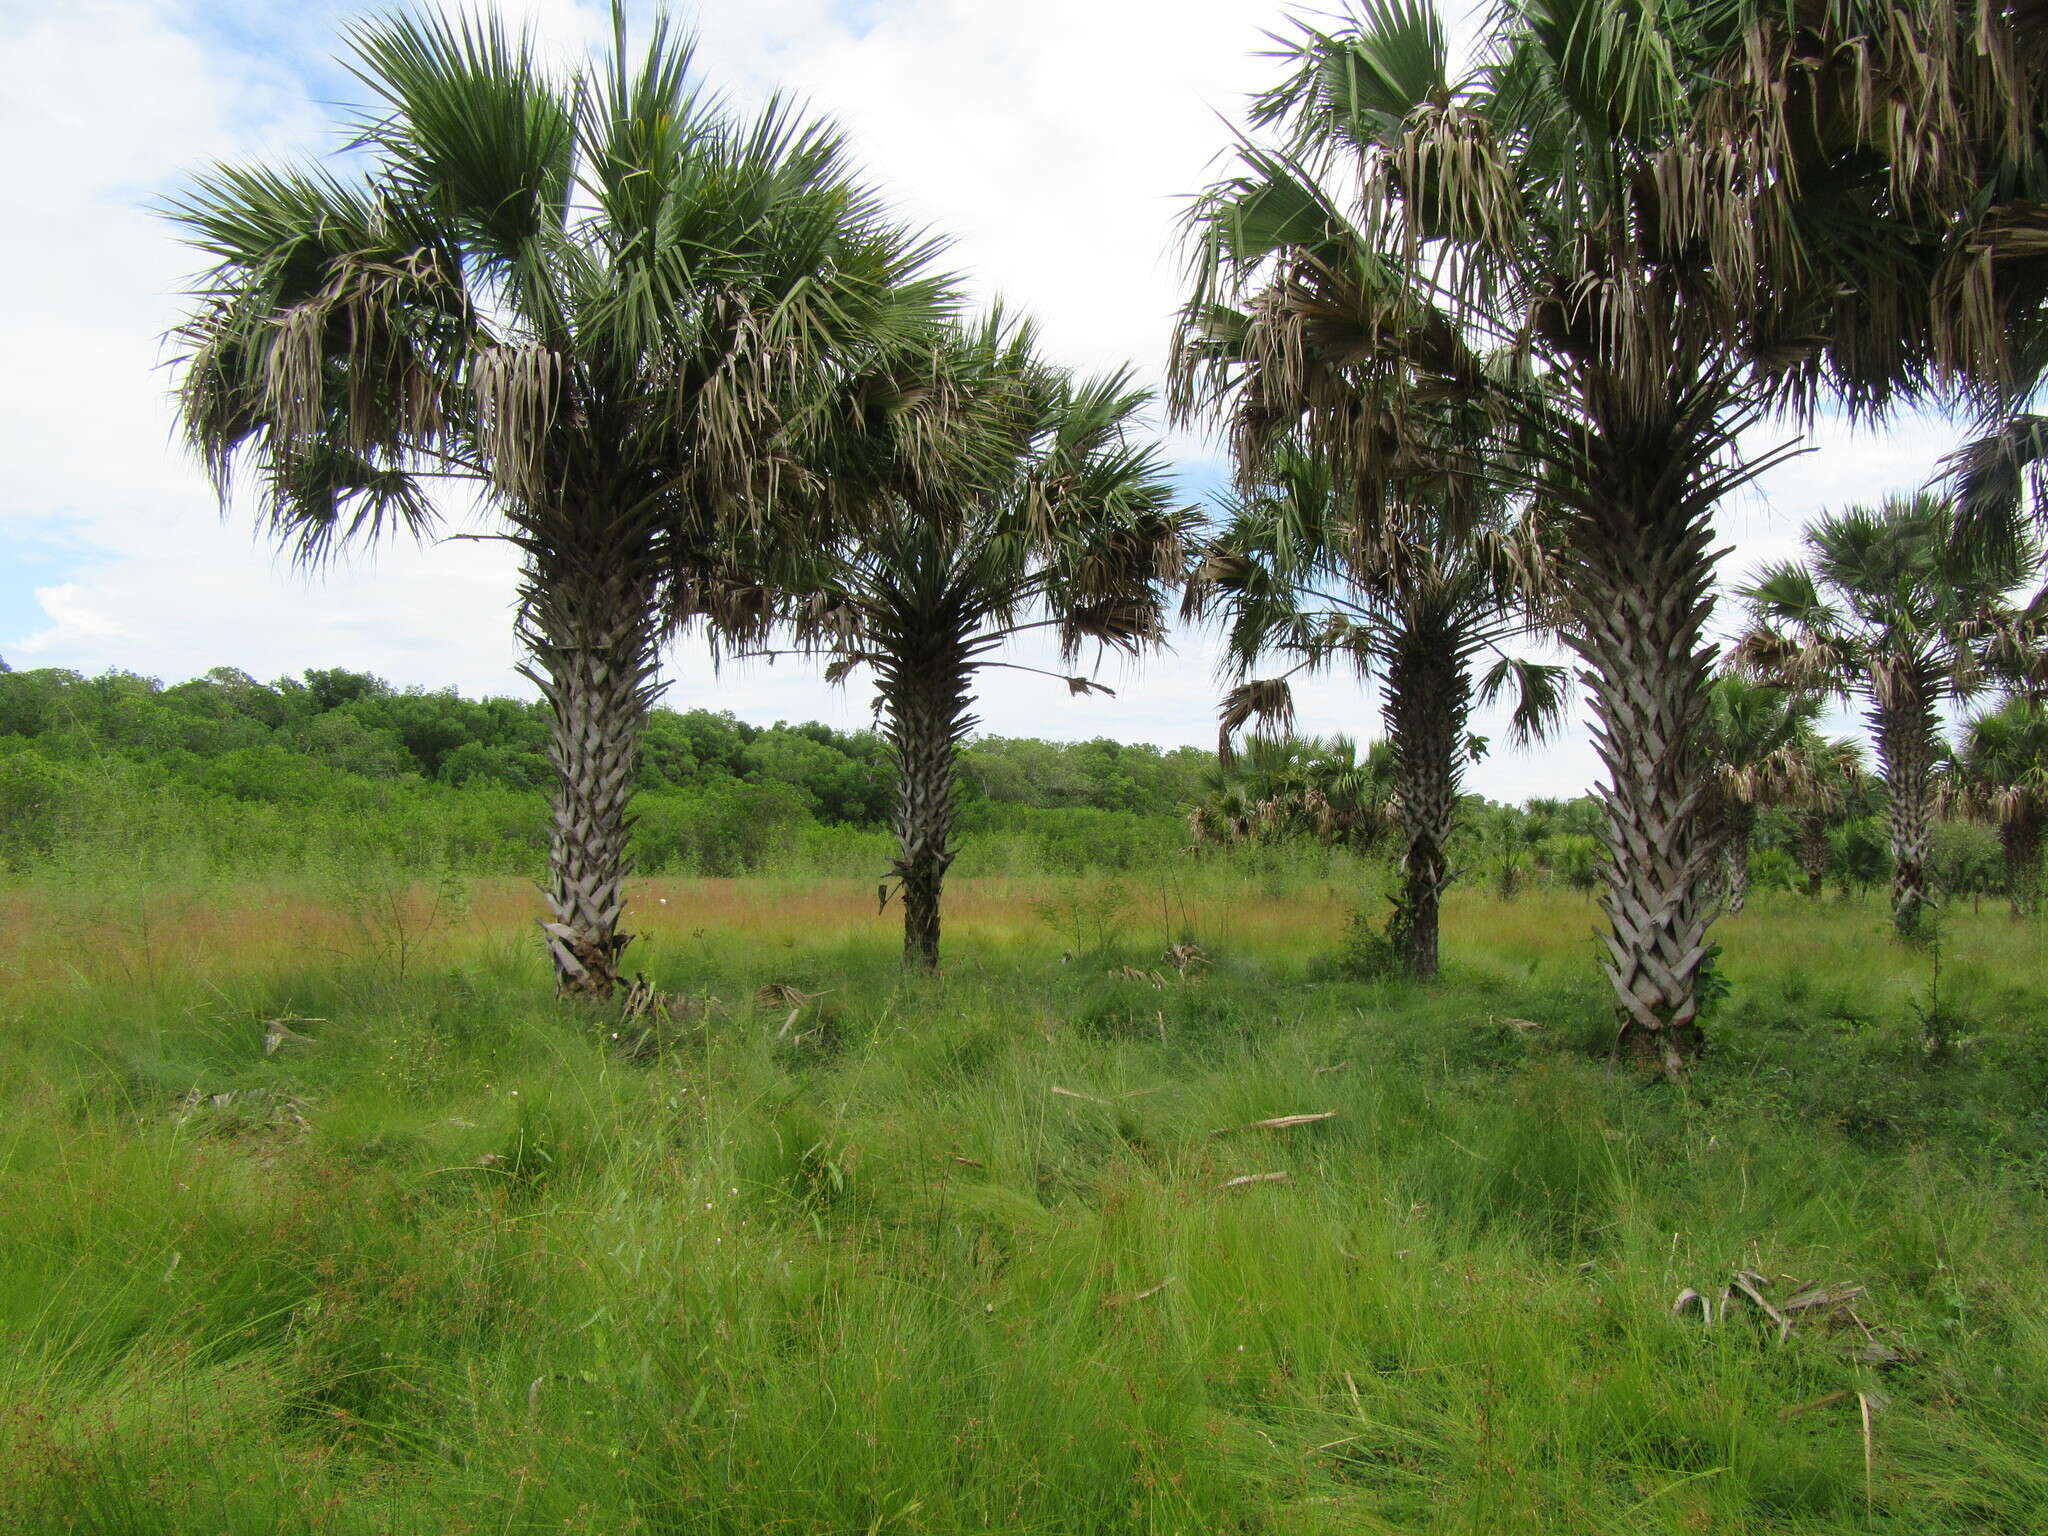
32	561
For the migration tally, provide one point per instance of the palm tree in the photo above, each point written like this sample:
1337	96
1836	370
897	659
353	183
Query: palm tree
1759	738
1830	769
1887	607
1297	573
604	301
1277	787
1649	211
1024	502
2001	773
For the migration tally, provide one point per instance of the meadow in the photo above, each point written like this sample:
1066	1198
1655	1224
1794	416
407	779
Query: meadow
319	1214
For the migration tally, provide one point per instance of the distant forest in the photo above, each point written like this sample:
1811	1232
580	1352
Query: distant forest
336	772
335	762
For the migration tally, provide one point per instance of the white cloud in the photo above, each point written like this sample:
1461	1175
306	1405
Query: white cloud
1055	145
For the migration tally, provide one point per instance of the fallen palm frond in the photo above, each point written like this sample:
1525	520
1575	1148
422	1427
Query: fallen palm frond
243	1110
1244	1180
1085	1098
278	1033
652	1021
1747	1288
780	994
1118	1300
1278	1122
1134	973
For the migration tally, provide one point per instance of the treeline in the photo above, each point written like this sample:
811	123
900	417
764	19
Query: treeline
337	768
1548	842
336	764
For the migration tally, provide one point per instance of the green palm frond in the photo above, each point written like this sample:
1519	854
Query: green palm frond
1541	694
1889	602
470	126
988	493
2000	482
1365	82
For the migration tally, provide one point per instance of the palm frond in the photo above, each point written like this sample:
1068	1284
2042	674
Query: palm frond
1541	692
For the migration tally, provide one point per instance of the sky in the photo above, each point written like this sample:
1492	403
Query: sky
1054	143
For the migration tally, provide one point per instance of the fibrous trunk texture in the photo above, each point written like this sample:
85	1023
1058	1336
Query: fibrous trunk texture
1642	600
593	633
1906	748
1428	696
1813	848
924	693
2019	839
1738	827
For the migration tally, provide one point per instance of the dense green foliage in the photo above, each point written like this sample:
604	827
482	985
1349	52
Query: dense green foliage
225	777
245	777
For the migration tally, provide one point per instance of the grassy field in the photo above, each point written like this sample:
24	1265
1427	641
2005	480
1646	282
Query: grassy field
967	1255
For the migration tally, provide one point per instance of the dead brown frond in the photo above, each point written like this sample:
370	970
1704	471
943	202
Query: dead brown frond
780	994
1815	1305
518	388
1246	1180
653	1023
1279	1122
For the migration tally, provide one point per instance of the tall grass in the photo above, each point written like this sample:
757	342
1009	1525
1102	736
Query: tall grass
963	1256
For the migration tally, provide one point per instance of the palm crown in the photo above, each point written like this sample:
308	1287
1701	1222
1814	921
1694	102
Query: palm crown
1886	603
1280	786
601	294
1765	752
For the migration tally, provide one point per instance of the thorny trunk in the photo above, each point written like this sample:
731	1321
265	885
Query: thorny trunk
1642	600
1428	696
2019	839
1813	848
924	694
593	633
1906	749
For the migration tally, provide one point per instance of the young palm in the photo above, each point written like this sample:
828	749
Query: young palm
1888	608
604	301
1280	786
1022	501
2001	774
1298	573
1828	784
1599	202
1759	739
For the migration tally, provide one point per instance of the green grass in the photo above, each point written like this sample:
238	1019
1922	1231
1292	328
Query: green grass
449	1263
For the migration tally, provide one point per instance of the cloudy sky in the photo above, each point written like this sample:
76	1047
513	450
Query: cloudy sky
1056	154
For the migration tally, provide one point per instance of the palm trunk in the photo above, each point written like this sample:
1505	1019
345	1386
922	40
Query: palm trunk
1428	696
1738	830
924	692
1813	849
1643	598
2019	840
593	634
1905	731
